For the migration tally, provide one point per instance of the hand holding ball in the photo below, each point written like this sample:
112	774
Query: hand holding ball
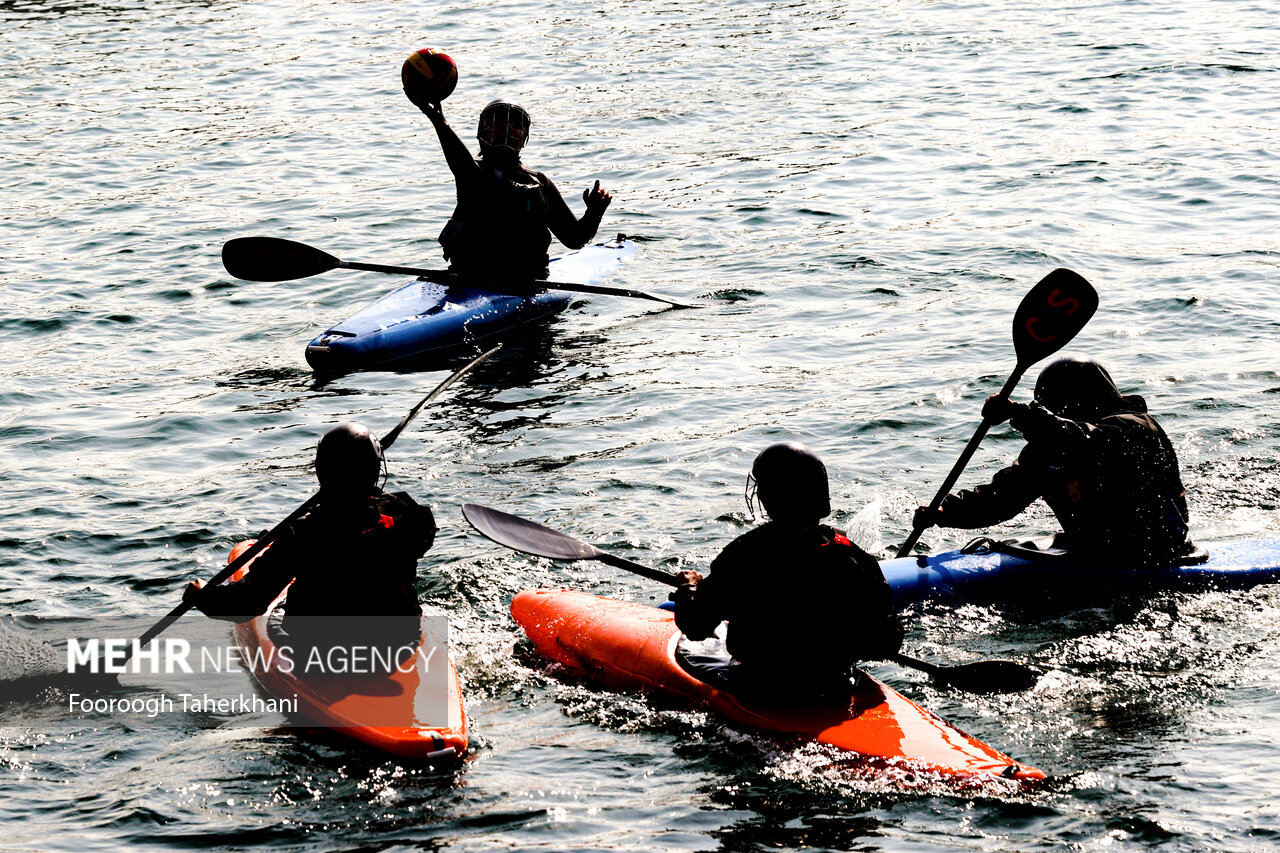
429	76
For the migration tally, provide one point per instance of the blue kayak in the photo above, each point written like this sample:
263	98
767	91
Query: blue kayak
993	572
423	318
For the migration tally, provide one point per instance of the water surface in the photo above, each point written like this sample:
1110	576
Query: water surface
881	182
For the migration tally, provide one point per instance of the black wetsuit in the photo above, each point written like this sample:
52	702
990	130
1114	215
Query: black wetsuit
506	214
1112	481
804	605
346	561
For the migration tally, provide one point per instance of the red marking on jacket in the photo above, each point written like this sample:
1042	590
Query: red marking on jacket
386	522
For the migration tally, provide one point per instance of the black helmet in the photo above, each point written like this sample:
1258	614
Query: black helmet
348	460
1080	389
503	127
791	482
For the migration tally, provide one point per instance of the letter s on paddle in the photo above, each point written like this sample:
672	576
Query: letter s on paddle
1056	300
1070	303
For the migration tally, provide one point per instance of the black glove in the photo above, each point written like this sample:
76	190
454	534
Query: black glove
889	642
998	409
926	517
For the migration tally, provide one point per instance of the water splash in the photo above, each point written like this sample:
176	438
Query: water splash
25	658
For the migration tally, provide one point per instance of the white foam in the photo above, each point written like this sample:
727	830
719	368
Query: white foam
22	656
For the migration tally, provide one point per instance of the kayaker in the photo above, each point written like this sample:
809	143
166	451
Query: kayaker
804	604
501	228
354	555
1096	457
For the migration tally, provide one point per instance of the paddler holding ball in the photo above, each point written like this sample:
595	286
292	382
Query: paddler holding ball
501	228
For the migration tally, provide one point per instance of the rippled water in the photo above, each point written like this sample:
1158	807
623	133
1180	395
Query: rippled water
881	182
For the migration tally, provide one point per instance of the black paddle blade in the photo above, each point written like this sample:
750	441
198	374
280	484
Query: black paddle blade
527	537
989	676
1051	314
274	259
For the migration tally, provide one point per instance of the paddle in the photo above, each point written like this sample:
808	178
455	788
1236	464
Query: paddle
275	259
983	676
267	538
519	534
528	537
1050	315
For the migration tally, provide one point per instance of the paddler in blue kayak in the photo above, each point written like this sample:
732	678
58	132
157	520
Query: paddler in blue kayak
1096	457
804	604
354	556
501	228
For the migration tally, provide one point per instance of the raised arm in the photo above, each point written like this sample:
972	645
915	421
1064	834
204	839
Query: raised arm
1010	491
456	153
569	229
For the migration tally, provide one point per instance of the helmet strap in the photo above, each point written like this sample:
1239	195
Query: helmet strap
751	493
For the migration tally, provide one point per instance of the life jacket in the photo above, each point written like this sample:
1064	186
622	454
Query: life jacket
1128	499
831	602
499	228
365	568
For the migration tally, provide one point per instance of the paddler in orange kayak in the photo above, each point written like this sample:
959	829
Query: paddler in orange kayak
354	555
804	604
502	226
1096	457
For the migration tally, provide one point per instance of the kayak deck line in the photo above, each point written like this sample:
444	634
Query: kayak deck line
629	647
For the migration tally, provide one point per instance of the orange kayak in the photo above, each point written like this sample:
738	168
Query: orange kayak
629	646
380	710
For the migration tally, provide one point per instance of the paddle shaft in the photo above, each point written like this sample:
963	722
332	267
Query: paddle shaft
915	663
447	277
432	275
963	461
638	569
252	551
